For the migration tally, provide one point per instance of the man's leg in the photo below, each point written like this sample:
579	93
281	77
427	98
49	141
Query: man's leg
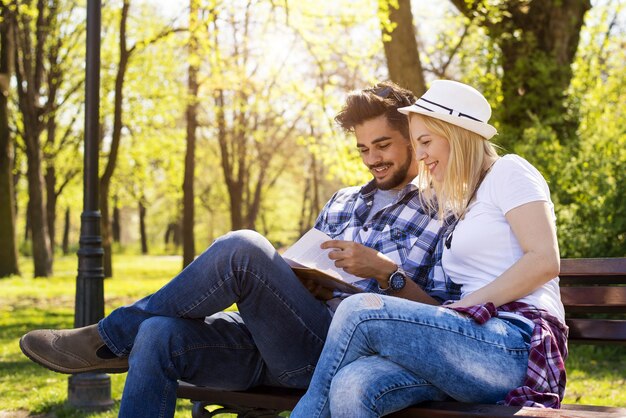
241	267
219	354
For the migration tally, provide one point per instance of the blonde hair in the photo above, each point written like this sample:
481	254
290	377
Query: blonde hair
468	152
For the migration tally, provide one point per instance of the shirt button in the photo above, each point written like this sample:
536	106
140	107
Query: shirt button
365	228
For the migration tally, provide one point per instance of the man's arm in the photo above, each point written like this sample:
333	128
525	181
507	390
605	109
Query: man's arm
368	263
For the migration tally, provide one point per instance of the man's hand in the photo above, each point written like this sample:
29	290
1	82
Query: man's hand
360	260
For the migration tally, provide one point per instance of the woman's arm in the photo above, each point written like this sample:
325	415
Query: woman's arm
532	226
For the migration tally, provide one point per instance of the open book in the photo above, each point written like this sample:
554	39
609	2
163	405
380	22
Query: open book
309	261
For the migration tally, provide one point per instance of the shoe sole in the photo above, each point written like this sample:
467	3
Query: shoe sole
60	369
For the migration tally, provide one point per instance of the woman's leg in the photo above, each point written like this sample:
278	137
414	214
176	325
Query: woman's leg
467	361
375	386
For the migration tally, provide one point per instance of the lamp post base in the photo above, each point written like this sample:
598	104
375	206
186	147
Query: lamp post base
90	391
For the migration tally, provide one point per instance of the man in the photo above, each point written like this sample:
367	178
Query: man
379	231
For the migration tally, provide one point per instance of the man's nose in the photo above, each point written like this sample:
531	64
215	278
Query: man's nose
373	157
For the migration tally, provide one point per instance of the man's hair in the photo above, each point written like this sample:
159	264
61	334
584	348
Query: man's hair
383	99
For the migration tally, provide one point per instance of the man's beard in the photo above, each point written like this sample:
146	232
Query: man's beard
399	177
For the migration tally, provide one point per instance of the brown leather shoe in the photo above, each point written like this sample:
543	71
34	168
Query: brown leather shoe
70	351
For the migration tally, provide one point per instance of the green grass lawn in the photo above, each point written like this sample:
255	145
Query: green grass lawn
596	375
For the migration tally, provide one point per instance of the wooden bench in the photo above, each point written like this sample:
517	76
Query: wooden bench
589	287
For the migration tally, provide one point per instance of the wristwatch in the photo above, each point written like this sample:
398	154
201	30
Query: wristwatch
395	283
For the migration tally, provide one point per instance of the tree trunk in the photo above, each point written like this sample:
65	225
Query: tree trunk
66	232
8	243
235	189
107	175
142	228
29	71
536	62
191	116
51	203
400	43
42	254
116	225
27	222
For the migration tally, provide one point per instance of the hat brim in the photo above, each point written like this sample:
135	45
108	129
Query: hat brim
483	129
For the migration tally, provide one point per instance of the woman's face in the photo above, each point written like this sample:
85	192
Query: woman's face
431	148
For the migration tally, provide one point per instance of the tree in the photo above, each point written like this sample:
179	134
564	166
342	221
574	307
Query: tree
400	44
34	104
191	117
537	41
125	55
8	244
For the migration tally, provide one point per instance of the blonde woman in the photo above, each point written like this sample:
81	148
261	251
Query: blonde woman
504	340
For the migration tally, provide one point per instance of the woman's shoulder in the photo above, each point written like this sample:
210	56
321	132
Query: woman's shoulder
513	163
515	181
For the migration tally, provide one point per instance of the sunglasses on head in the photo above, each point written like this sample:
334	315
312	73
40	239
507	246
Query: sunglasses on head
385	91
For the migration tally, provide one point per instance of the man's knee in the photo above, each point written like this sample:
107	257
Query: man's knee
245	242
155	333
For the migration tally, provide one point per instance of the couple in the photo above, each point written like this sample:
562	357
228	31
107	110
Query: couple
503	340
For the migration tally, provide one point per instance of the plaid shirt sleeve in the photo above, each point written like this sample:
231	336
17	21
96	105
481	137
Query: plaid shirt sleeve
402	231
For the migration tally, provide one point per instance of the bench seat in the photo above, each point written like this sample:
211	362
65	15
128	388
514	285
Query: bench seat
589	287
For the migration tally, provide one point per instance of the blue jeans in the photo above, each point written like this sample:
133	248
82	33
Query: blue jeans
383	354
275	338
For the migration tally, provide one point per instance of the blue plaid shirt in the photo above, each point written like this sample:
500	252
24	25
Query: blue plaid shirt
402	230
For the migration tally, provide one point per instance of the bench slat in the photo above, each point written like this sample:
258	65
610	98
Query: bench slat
594	299
460	410
593	267
269	397
597	330
285	399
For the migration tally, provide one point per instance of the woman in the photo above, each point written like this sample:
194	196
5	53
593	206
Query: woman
504	341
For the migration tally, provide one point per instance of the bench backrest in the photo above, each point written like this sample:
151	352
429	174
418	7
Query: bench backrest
593	291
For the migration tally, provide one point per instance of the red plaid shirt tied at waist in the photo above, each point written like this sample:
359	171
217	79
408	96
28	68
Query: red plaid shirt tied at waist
544	385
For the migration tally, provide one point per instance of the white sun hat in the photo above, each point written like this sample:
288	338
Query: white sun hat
455	103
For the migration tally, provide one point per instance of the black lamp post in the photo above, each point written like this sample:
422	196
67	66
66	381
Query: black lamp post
90	391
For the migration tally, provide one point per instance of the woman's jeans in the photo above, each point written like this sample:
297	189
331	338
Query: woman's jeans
275	338
384	353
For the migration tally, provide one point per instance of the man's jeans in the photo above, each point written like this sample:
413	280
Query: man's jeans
275	338
384	354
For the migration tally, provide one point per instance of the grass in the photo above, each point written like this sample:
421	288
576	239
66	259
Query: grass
596	374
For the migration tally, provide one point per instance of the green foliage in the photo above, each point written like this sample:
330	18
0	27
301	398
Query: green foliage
592	189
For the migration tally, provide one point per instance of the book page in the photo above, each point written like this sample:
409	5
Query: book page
307	252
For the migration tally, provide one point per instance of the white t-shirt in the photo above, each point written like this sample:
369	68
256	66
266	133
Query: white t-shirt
483	244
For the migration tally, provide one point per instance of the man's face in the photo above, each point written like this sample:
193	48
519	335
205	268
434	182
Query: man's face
386	153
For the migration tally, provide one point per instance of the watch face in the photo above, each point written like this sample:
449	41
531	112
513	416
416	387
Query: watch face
397	281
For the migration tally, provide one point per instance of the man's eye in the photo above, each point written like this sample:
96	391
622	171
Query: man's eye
362	150
384	146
